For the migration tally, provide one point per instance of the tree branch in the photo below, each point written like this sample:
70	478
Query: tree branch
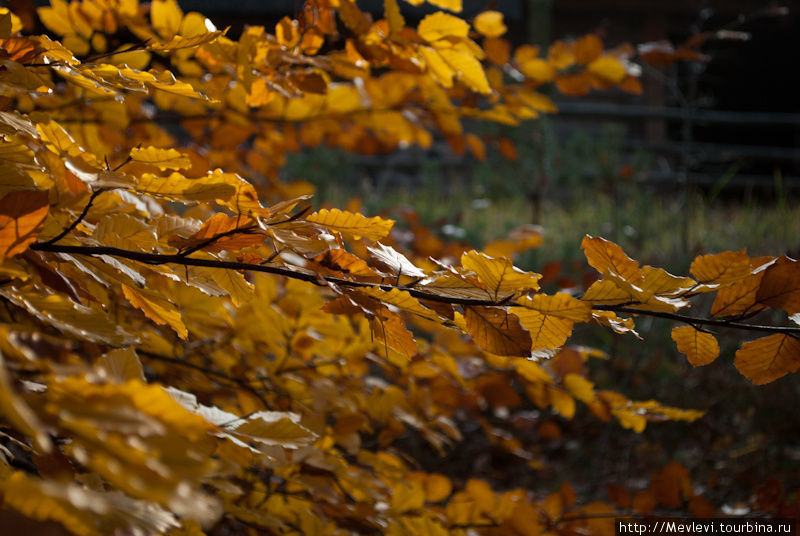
320	280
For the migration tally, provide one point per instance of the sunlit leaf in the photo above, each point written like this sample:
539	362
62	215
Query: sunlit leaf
22	214
497	331
701	348
766	359
350	224
163	158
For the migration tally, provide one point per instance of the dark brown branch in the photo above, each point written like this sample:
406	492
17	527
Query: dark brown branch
209	241
320	280
77	221
696	321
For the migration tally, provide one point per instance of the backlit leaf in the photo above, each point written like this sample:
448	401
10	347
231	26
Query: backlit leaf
766	359
22	214
701	348
549	319
500	277
607	67
351	224
396	261
497	331
721	269
163	158
275	428
440	25
605	255
490	24
156	309
780	286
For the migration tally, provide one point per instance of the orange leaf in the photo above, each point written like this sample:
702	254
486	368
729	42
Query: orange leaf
497	50
391	331
22	215
780	286
768	358
218	225
549	319
700	348
738	298
500	276
497	331
606	255
587	49
574	85
157	309
721	269
671	485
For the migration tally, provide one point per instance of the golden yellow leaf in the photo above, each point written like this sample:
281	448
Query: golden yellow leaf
701	348
437	487
407	496
122	364
440	25
468	68
497	331
352	224
561	401
608	68
500	277
606	255
549	319
19	414
181	42
157	309
439	68
393	16
166	16
402	300
80	510
721	269
766	359
579	387
490	24
275	428
537	69
391	332
452	5
22	215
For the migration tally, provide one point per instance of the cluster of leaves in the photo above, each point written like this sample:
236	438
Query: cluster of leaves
180	354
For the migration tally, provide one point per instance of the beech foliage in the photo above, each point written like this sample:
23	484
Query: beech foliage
187	346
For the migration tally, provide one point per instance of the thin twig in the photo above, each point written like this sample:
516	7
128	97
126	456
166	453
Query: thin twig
77	221
320	280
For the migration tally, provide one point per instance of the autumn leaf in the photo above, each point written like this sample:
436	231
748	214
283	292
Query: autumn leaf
499	276
350	224
497	331
766	359
163	158
490	24
441	25
721	269
701	348
780	286
549	319
605	255
156	309
22	214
